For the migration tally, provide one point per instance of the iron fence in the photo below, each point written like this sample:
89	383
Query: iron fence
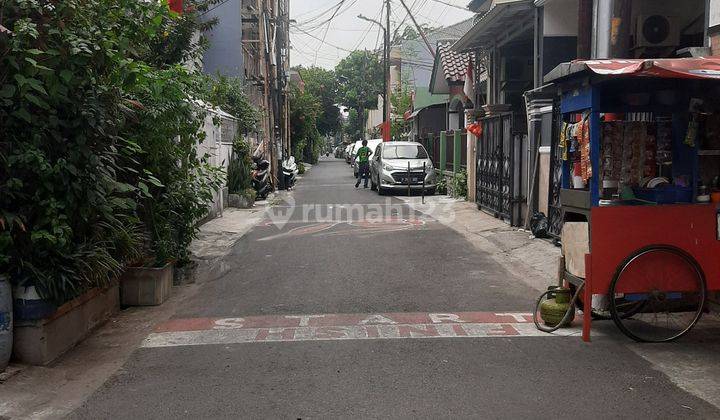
495	176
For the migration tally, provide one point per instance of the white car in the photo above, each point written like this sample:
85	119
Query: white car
397	165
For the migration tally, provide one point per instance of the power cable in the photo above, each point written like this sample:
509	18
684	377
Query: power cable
319	39
330	23
446	3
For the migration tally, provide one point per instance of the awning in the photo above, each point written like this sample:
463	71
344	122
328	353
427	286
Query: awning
419	110
497	23
670	68
413	115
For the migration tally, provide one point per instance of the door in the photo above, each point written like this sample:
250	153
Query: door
495	177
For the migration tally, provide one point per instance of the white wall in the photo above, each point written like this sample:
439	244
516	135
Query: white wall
714	13
375	117
218	151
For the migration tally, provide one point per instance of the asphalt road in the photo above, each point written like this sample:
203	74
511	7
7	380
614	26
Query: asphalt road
404	264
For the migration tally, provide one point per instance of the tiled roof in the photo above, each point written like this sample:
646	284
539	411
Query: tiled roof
454	64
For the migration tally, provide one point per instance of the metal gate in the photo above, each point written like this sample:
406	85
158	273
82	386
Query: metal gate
555	211
495	174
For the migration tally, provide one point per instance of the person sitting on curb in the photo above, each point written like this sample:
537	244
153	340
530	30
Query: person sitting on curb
363	157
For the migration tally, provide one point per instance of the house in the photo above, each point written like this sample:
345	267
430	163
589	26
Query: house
250	41
429	113
448	78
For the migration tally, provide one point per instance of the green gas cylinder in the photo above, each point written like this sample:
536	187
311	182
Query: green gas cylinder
554	309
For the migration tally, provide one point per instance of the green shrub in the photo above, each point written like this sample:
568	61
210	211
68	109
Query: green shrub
251	194
98	163
239	167
301	168
459	184
441	183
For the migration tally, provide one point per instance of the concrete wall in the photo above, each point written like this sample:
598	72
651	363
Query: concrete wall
224	54
544	179
42	341
685	11
217	146
375	118
560	18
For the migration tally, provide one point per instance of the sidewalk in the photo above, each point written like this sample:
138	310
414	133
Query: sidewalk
530	259
50	392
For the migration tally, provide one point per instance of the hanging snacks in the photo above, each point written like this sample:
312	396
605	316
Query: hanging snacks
583	136
564	140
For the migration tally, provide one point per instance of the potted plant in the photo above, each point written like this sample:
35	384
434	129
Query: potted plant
240	193
147	283
6	322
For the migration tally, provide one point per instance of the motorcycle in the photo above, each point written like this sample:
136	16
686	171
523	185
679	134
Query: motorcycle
290	171
261	178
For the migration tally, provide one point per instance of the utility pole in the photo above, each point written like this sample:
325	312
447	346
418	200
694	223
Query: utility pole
386	77
419	29
388	85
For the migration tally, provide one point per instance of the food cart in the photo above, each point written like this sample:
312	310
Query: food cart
640	150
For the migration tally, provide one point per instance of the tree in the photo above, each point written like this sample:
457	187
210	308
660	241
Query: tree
322	84
305	109
227	94
360	81
354	126
401	101
409	33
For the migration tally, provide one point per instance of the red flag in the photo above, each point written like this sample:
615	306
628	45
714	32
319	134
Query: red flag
176	6
469	88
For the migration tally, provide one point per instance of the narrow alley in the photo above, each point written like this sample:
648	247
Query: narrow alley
344	320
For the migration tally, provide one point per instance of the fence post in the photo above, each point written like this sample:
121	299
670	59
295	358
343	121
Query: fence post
472	166
457	151
430	147
443	151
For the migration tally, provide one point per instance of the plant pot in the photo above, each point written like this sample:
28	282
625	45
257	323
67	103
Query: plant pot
6	323
29	306
41	341
146	286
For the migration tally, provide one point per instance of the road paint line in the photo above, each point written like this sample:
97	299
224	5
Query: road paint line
328	327
350	332
331	320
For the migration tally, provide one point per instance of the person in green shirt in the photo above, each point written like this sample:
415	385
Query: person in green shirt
363	157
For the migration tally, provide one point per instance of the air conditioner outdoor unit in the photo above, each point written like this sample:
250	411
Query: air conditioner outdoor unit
657	31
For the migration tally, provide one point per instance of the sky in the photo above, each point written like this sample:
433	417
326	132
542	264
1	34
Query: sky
346	32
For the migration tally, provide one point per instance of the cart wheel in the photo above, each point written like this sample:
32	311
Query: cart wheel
657	294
